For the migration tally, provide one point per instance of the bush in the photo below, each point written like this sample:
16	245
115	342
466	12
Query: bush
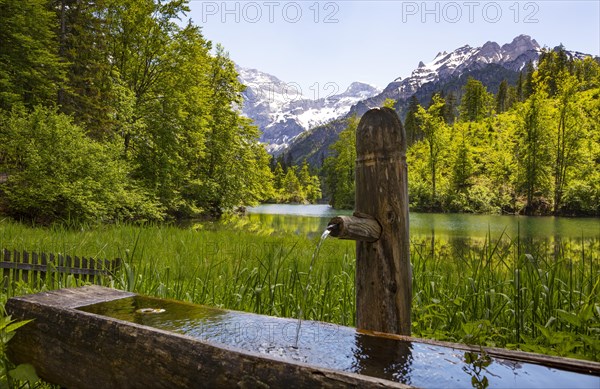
57	173
582	198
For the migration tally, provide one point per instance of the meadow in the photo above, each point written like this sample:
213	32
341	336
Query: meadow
538	295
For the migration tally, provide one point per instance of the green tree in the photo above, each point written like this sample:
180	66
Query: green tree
582	189
534	152
84	47
552	64
389	103
313	189
278	175
528	84
311	186
57	173
234	169
502	98
339	167
30	69
449	108
435	137
475	103
184	135
462	166
292	188
411	126
304	174
569	134
519	90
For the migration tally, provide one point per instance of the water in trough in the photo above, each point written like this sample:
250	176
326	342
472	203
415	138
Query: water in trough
341	348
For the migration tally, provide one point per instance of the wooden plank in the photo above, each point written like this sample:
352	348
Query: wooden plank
383	270
6	273
117	263
577	365
76	349
16	257
35	262
25	261
85	264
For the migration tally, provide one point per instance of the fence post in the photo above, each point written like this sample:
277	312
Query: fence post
383	269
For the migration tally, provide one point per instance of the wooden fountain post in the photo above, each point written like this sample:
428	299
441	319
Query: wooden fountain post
380	225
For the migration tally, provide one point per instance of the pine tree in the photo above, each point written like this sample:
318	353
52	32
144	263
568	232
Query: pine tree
534	151
30	69
339	167
449	108
462	166
502	97
528	84
88	91
475	103
292	188
435	132
411	126
520	82
278	175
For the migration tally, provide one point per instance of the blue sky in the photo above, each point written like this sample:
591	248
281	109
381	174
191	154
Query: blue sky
314	43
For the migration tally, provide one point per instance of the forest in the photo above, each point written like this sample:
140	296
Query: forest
121	111
533	148
118	110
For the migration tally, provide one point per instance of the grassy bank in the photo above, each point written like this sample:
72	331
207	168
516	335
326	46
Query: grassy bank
532	295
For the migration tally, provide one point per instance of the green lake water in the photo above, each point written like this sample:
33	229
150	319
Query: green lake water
312	219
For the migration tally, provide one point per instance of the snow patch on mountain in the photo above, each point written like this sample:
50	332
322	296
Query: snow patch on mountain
514	55
282	112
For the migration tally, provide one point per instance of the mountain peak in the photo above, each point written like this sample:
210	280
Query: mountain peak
521	43
446	65
447	72
359	86
282	114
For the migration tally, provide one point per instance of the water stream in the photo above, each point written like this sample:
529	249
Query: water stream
305	294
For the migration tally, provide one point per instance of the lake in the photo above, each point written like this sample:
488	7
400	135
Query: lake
312	219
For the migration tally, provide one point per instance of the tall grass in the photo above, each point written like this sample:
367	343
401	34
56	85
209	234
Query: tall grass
533	295
537	295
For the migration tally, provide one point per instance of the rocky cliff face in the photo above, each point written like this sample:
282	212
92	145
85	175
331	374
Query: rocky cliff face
445	66
305	128
447	72
282	112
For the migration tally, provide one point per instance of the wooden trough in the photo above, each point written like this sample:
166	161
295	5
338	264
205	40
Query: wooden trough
96	337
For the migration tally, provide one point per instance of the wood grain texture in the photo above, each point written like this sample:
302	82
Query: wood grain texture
76	349
568	364
383	269
356	227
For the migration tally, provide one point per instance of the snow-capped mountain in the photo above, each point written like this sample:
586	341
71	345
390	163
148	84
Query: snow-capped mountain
511	56
282	111
445	73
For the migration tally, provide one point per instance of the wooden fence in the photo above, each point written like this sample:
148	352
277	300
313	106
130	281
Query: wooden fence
32	266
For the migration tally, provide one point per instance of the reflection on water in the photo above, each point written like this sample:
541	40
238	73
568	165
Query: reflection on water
312	219
342	348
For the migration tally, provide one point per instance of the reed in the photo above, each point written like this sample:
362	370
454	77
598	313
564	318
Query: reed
534	295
